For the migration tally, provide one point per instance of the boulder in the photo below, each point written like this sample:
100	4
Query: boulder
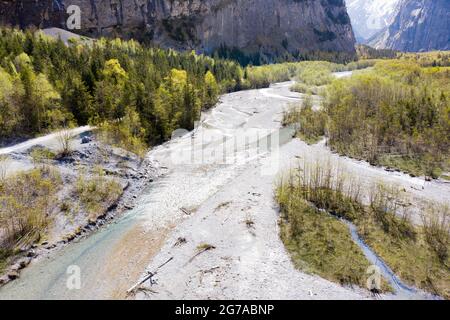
31	253
23	262
12	275
4	280
86	139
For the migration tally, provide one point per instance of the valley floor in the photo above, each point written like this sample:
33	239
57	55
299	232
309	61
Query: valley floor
249	260
218	221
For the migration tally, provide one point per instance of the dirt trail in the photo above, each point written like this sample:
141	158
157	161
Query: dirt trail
50	141
16	162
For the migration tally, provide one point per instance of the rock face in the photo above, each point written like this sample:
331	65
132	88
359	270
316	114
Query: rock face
369	17
274	27
419	25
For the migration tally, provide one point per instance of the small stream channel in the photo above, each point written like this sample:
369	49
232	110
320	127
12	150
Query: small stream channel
401	290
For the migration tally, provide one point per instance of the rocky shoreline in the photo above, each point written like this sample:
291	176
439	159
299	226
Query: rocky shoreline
133	180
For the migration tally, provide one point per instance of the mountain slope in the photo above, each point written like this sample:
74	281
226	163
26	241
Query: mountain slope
370	16
271	27
419	25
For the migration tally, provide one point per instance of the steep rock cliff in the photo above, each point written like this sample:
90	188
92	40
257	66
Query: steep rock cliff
419	25
370	16
273	27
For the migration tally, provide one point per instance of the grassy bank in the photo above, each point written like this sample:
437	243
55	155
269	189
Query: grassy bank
417	254
317	242
96	193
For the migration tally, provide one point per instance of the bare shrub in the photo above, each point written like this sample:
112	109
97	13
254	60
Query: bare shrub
97	193
387	206
382	199
3	167
26	200
328	188
436	226
318	242
310	124
64	140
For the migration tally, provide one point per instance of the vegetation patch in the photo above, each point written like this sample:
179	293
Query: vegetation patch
308	73
427	59
310	125
223	205
26	201
415	166
319	243
126	133
315	73
5	253
395	115
300	87
417	254
97	193
42	155
366	52
418	261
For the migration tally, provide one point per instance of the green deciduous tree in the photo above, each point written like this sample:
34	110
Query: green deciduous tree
211	90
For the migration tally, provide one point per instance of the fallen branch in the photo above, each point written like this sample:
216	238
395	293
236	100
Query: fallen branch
180	241
149	276
147	290
185	211
211	269
202	272
203	248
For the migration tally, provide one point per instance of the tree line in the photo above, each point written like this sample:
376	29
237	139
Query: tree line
396	114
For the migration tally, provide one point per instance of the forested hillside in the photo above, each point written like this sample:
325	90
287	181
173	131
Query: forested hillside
45	84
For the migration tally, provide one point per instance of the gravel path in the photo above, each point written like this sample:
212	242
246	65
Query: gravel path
16	161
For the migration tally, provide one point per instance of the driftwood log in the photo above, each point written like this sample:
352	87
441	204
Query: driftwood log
149	276
185	211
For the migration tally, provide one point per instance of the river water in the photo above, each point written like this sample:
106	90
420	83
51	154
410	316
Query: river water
401	290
